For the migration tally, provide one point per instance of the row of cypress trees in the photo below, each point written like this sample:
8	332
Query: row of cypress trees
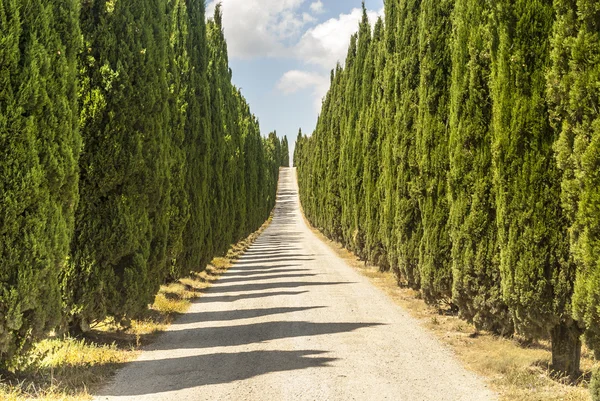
127	159
460	147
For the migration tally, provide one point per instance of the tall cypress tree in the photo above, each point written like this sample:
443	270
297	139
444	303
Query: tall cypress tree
432	147
122	222
372	130
475	253
574	97
389	164
408	229
39	151
178	80
285	152
537	272
196	240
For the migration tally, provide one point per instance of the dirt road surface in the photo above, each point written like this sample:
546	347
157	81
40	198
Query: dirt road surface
292	321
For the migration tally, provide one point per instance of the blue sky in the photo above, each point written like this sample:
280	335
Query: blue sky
281	53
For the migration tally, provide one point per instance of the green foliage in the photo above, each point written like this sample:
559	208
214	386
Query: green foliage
170	168
403	77
537	274
595	385
435	155
285	152
122	225
475	249
574	96
432	147
39	151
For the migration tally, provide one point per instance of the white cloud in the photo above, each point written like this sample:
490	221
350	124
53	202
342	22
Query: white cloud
295	81
322	46
317	7
327	43
280	28
259	28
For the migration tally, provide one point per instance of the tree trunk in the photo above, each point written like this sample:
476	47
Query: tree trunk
566	349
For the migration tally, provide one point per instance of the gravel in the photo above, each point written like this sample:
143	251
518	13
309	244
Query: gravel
292	321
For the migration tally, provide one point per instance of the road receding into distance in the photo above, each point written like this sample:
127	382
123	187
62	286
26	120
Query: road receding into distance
292	321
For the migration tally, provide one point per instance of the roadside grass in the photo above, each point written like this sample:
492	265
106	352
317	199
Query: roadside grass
71	369
517	371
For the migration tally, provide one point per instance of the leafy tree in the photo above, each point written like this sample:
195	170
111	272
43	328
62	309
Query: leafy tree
178	80
39	151
475	250
537	272
574	97
285	152
407	228
196	240
432	147
122	226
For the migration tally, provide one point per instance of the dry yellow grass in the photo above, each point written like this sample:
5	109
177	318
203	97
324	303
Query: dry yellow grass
514	371
70	369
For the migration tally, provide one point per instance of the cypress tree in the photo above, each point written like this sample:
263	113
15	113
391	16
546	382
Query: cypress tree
196	240
348	85
475	253
178	80
432	147
536	269
119	248
408	229
389	165
331	122
574	96
285	152
39	150
372	136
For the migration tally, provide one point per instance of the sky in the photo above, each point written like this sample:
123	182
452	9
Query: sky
281	53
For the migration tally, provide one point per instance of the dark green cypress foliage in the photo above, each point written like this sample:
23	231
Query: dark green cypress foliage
285	152
363	83
432	148
475	253
389	165
331	121
408	228
119	250
298	149
372	135
39	150
238	165
196	240
574	96
218	78
537	273
178	80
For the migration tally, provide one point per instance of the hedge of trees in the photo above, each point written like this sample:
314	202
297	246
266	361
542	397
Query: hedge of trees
127	159
460	147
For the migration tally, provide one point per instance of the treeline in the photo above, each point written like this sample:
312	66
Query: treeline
127	159
460	147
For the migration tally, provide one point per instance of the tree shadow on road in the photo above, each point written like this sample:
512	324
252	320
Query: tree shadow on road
195	371
245	334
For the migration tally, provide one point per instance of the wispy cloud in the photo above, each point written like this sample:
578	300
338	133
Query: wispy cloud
317	7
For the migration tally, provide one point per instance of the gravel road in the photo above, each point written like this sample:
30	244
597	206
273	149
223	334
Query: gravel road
292	321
